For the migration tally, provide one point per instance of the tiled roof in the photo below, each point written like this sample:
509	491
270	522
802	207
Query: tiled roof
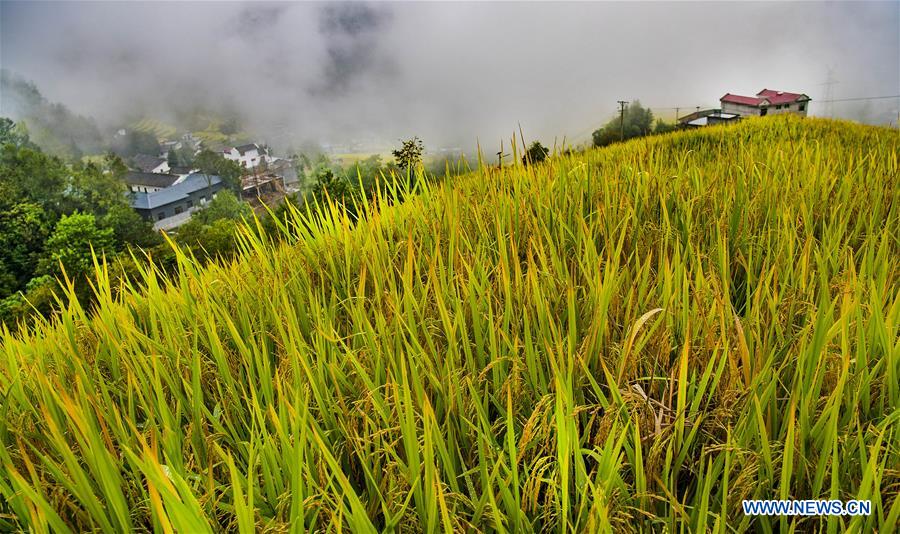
781	97
191	184
151	179
765	97
738	99
243	149
147	163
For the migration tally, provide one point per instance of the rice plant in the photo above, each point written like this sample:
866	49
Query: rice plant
634	338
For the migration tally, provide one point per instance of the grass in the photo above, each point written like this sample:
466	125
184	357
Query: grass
630	339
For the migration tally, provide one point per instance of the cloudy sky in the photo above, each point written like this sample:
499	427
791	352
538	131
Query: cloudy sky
448	72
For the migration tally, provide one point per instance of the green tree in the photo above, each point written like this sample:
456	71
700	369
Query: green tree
663	127
14	134
129	228
536	153
97	188
71	242
23	229
135	142
334	184
213	164
225	206
172	158
211	232
635	122
29	175
409	155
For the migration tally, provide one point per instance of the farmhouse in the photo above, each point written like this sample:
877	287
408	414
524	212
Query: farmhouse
766	102
147	163
248	156
166	146
148	182
173	205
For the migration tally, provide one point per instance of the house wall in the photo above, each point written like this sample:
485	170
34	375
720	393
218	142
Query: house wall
743	110
249	160
137	188
790	108
747	111
162	168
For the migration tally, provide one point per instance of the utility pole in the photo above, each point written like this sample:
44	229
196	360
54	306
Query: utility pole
829	92
622	104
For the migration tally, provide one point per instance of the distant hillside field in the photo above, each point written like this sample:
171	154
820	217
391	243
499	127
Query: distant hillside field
155	127
635	338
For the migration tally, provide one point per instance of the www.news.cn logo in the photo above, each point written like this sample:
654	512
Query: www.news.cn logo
807	507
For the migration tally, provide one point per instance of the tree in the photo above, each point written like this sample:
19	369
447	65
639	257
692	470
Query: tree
97	188
186	155
211	231
172	158
225	206
663	127
409	156
71	242
29	175
136	142
23	230
129	228
14	134
327	181
213	164
635	122
230	126
536	153
606	136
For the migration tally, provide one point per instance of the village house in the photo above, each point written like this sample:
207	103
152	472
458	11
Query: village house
149	182
172	206
766	102
183	171
147	163
166	146
248	156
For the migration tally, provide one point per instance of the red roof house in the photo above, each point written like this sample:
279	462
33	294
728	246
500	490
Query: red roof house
765	102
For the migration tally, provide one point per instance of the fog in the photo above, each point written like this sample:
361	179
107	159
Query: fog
450	73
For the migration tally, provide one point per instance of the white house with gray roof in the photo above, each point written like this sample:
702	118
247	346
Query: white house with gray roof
172	206
145	163
248	156
149	182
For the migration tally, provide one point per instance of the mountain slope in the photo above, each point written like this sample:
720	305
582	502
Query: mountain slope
624	339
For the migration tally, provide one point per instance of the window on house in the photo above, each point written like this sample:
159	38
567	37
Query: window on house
763	111
802	107
160	216
190	204
178	209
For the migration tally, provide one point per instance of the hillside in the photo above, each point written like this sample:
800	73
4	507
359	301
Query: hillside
633	338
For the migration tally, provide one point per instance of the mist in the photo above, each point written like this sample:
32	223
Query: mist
450	73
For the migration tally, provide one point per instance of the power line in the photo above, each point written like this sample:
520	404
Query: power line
854	99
